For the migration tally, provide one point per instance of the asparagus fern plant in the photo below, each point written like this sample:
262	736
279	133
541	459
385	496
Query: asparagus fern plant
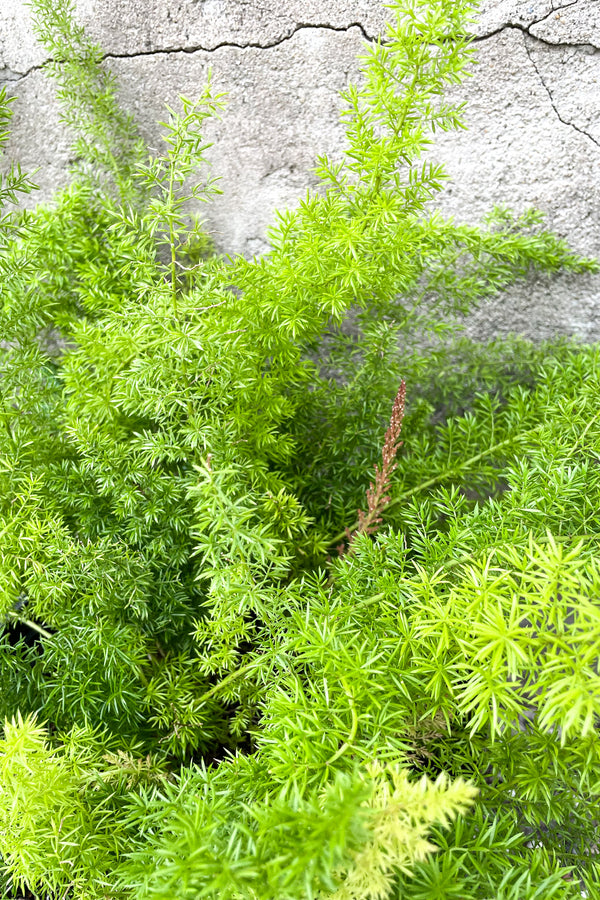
202	698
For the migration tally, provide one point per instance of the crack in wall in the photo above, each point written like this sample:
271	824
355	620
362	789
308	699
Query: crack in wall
7	76
525	29
13	77
553	104
300	26
555	9
200	48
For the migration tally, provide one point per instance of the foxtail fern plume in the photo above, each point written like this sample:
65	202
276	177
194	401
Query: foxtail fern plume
107	141
198	700
14	182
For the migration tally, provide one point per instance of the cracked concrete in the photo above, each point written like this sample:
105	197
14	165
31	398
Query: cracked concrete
533	119
533	116
574	22
594	120
7	75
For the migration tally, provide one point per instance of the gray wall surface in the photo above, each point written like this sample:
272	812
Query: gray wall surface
533	115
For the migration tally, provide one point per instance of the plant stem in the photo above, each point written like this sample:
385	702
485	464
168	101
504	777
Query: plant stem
354	726
173	271
255	664
33	625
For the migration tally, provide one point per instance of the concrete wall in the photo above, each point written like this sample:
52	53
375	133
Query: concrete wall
533	116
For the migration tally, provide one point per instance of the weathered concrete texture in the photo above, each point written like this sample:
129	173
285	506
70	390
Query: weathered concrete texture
573	22
533	140
579	20
263	160
533	116
186	24
18	48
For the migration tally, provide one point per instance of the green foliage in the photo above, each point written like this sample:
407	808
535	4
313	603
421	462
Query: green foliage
199	700
107	142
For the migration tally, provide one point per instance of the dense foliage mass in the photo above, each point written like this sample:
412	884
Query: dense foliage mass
218	679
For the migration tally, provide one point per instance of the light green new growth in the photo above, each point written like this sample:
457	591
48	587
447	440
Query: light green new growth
199	700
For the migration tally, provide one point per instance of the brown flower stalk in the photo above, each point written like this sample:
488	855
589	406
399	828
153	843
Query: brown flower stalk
377	498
